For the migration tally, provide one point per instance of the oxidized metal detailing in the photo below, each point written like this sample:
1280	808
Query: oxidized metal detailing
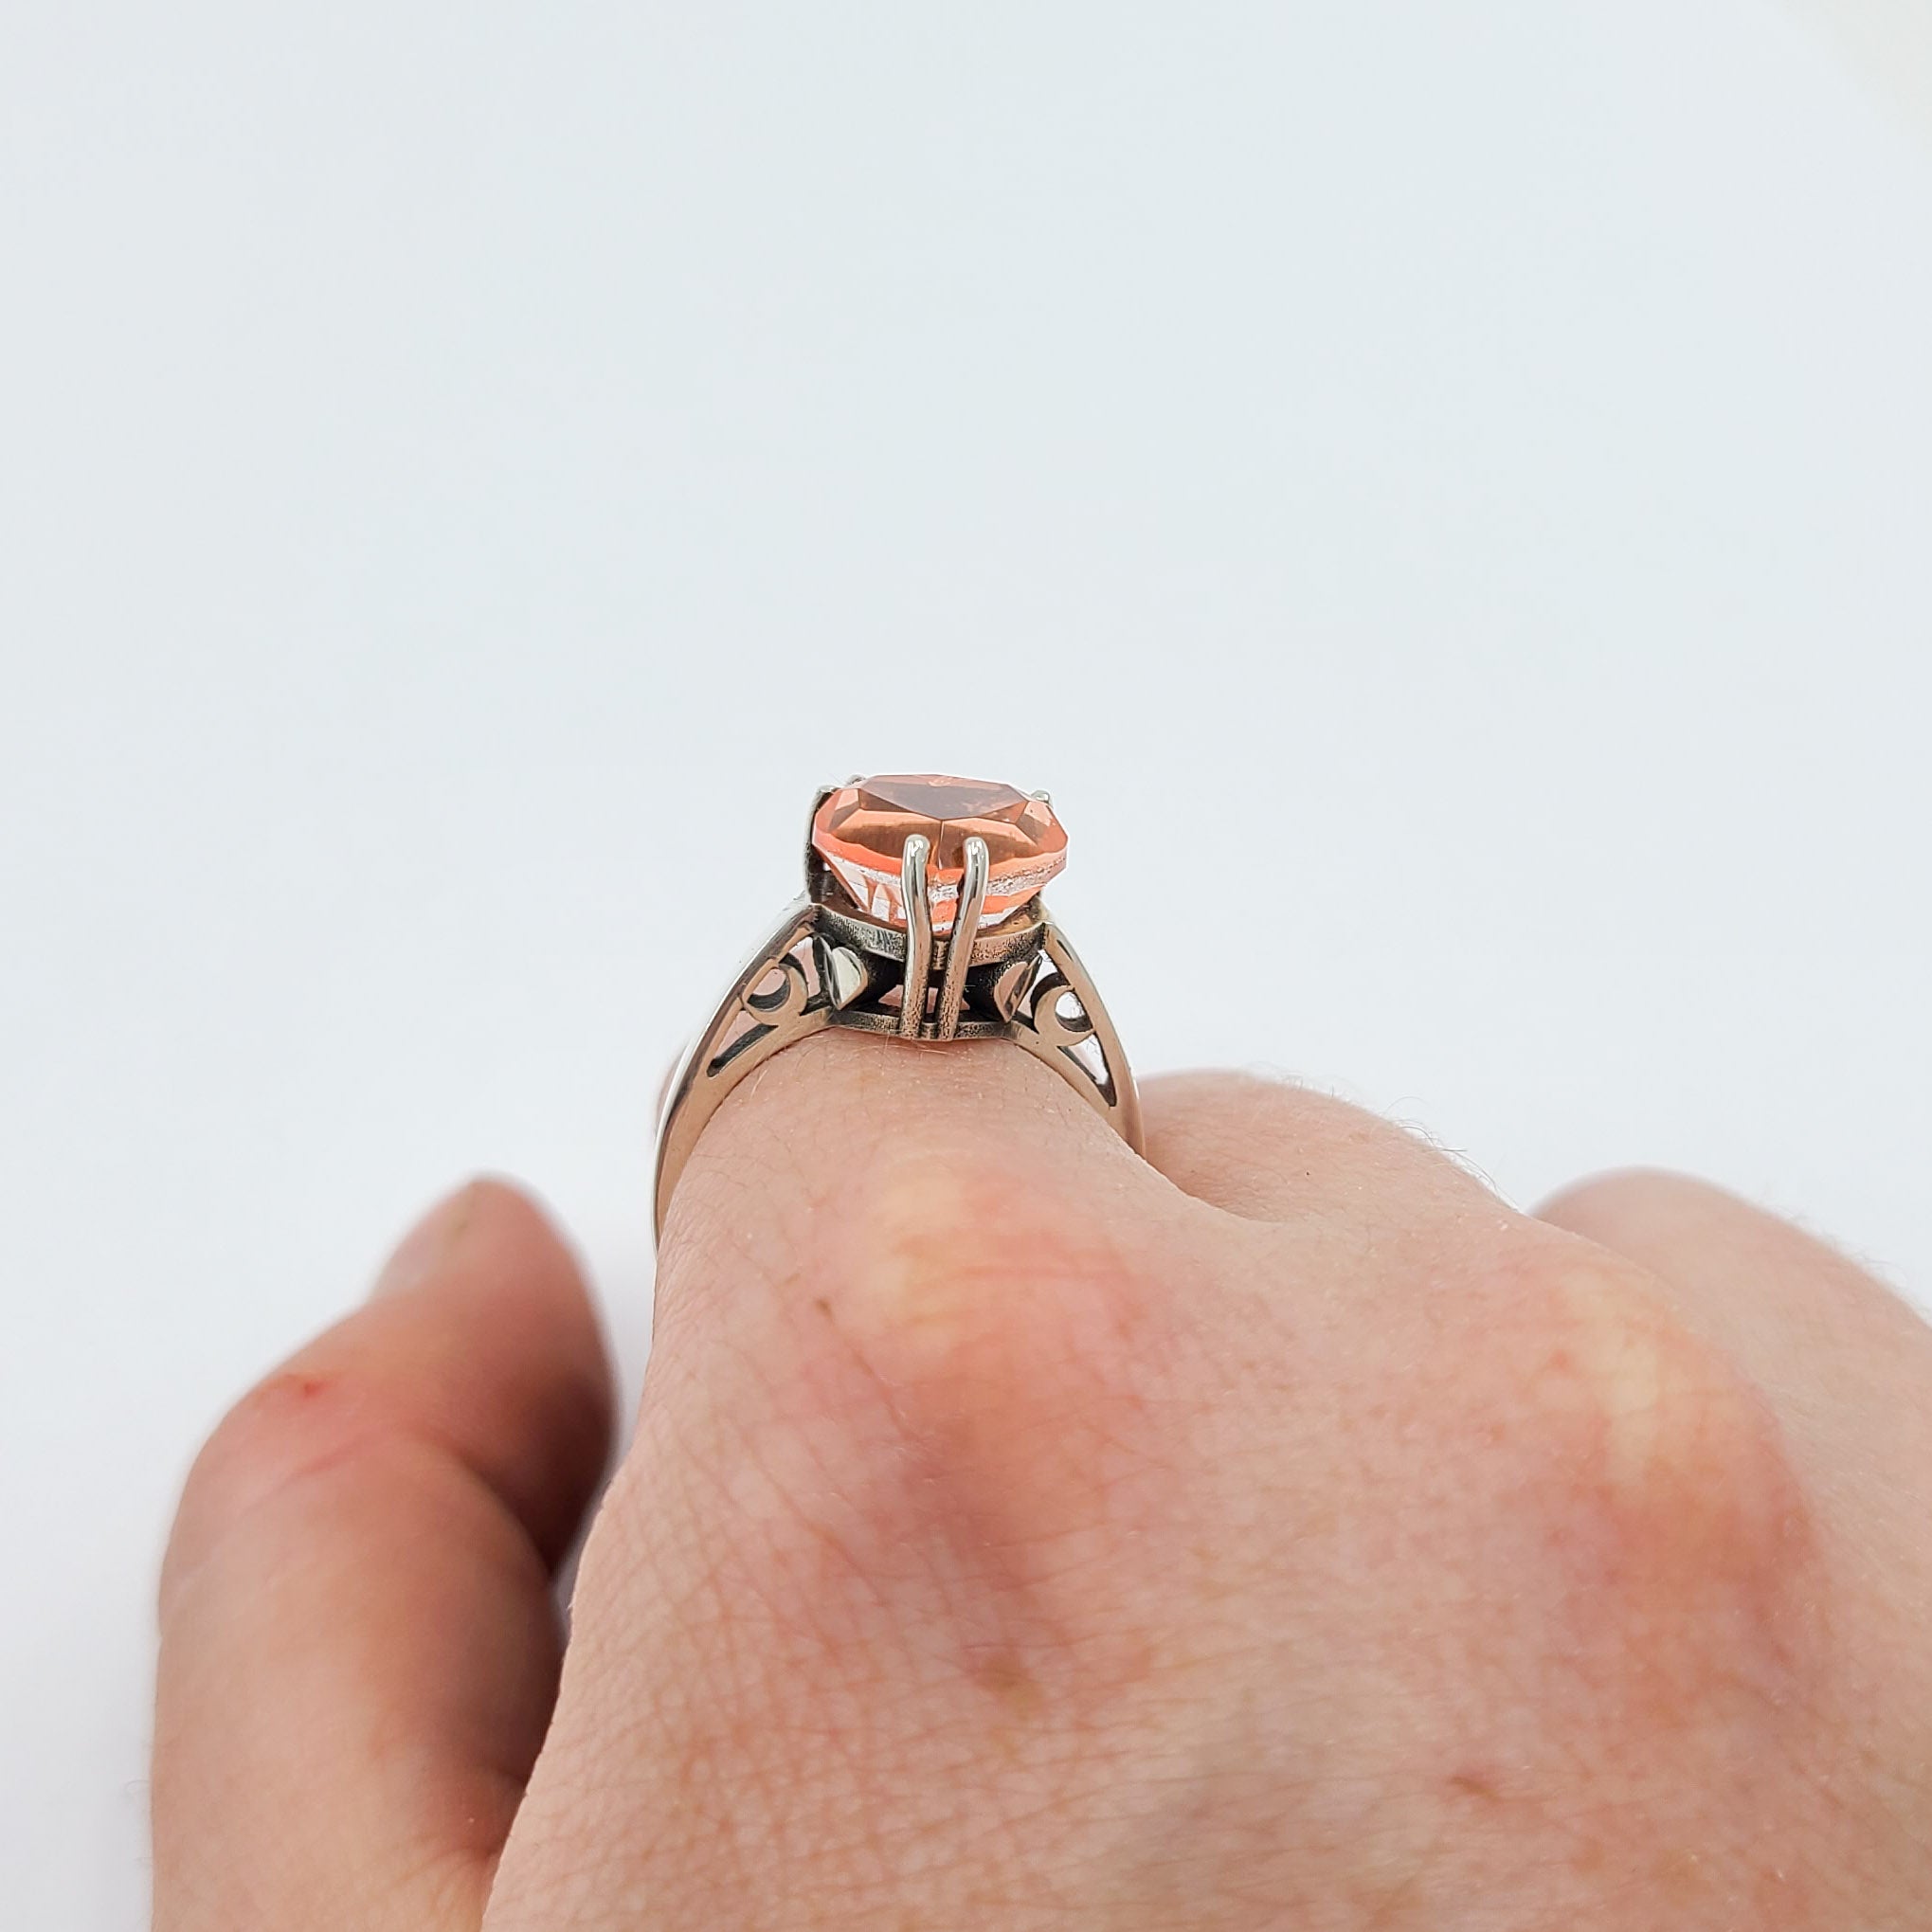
829	963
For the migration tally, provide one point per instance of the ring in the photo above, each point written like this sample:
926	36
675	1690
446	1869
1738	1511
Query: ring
921	920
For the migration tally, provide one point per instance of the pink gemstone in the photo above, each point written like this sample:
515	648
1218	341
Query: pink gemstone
863	828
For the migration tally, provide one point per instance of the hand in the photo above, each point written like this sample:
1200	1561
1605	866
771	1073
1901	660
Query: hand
1284	1533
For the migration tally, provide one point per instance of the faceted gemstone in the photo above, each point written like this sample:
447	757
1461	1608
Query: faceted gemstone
861	830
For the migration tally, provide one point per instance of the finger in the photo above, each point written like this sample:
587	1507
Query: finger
358	1644
897	1289
1276	1151
948	1230
787	1149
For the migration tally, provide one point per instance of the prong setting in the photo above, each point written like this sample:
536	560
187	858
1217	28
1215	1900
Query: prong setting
874	884
965	928
918	903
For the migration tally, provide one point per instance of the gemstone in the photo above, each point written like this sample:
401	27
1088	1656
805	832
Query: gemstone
861	829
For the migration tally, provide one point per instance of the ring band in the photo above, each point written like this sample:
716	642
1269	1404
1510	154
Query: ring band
921	920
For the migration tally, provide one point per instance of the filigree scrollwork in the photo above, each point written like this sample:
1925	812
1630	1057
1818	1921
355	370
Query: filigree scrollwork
782	996
826	966
768	1006
1048	1017
1059	1019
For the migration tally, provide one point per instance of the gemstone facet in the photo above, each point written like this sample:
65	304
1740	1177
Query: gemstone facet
861	829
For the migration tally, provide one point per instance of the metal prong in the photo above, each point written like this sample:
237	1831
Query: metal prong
1045	798
966	927
819	798
913	886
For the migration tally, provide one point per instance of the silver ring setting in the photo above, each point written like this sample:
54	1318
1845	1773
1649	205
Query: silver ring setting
947	939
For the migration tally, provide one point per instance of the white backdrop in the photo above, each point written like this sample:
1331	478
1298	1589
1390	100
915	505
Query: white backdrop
1451	488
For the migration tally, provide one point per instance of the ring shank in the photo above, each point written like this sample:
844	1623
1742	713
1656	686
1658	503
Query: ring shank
826	966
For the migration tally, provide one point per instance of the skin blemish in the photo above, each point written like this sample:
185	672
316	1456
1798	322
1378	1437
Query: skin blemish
294	1388
1005	1677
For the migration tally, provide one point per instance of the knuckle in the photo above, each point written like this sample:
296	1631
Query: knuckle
1660	1473
1006	1329
1232	1121
1637	1538
1617	1194
967	1270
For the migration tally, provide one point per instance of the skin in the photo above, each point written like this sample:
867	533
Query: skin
1282	1532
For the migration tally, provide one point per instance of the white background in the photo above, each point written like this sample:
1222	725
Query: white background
1445	493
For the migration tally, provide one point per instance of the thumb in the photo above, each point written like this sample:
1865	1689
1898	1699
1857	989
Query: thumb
358	1644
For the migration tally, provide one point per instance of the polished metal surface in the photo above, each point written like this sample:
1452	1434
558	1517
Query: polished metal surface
965	928
913	886
829	962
